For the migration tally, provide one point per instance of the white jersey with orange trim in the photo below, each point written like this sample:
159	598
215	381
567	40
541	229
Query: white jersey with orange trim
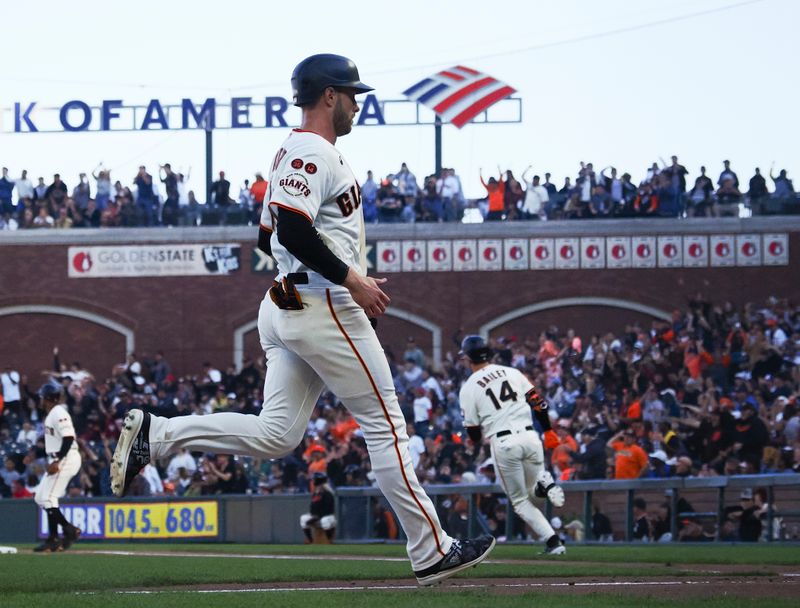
326	342
57	425
310	177
494	398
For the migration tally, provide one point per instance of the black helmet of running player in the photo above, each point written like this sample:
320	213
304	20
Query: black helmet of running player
319	478
475	349
316	73
49	391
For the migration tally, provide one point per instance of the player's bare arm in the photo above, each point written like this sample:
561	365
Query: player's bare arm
366	292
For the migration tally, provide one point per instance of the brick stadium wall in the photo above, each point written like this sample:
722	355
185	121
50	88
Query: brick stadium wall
193	319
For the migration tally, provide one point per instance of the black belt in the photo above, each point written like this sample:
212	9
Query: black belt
504	433
297	278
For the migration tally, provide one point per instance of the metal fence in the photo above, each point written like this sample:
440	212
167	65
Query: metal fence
710	497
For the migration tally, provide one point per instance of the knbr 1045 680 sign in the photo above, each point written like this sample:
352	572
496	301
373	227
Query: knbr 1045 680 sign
141	520
161	520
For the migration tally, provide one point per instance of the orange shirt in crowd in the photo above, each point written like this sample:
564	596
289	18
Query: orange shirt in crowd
560	456
259	190
634	410
629	460
497	193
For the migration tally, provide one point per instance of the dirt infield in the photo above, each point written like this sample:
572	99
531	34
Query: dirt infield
780	586
681	580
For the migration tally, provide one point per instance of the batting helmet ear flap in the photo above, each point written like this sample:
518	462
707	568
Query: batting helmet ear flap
475	349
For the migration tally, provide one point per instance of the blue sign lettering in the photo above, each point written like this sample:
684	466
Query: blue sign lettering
371	110
20	116
108	113
75	104
154	113
205	118
240	109
276	107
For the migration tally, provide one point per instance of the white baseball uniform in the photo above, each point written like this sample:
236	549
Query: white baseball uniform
330	342
57	425
493	398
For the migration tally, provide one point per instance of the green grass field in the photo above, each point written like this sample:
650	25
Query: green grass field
85	578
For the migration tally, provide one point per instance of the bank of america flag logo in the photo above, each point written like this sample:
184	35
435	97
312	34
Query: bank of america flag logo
458	94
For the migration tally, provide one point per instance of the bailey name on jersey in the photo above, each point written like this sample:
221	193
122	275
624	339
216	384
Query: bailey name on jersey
496	374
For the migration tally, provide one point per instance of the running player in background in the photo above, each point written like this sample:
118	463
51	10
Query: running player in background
497	401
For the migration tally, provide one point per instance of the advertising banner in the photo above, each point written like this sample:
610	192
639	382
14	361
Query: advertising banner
153	260
121	520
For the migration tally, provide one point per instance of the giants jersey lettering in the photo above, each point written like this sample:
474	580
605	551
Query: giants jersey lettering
58	425
494	399
310	177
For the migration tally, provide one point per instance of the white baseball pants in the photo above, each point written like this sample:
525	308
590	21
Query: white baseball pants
53	487
326	522
518	459
328	343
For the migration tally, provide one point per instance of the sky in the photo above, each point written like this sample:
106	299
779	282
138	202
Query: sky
613	82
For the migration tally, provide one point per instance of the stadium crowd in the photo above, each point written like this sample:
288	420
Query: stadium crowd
165	199
716	391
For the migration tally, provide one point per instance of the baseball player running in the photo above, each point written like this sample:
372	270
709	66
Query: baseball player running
497	400
314	326
63	463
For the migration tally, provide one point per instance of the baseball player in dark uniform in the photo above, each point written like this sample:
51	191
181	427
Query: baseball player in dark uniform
314	326
322	510
498	401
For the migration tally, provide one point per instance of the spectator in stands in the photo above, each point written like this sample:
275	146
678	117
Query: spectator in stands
258	190
641	524
6	190
699	202
431	205
495	190
676	174
369	195
81	193
590	461
220	193
728	197
24	189
146	199
169	212
630	460
390	205
407	186
56	192
726	174
448	187
758	193
784	189
102	194
536	200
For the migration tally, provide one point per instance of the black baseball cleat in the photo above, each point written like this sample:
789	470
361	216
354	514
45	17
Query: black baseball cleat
546	488
554	546
51	545
71	534
462	555
133	451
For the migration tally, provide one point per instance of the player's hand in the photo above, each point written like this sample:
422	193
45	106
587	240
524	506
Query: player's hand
367	293
551	440
52	468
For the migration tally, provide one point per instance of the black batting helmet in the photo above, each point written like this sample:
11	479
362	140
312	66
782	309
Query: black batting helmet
314	74
49	390
475	349
319	478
